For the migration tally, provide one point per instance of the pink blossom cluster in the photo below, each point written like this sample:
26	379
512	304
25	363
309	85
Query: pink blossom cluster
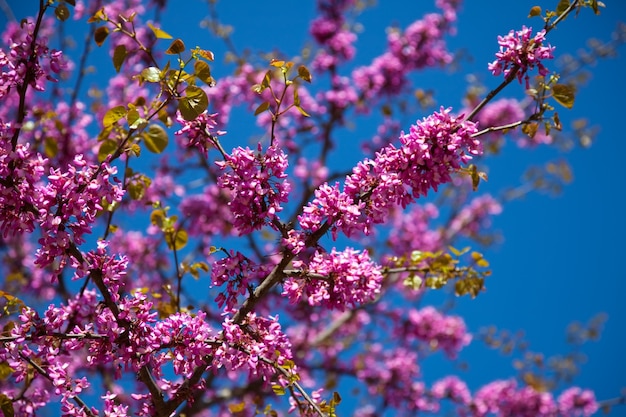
254	180
199	132
69	204
421	45
520	52
336	280
21	171
439	331
330	33
412	231
504	398
393	374
474	217
434	148
239	274
27	59
209	212
257	344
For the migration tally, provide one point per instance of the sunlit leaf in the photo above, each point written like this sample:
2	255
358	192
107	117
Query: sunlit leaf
160	34
177	239
113	115
535	11
100	35
157	218
202	70
237	408
151	74
50	147
262	107
278	389
277	63
6	406
304	73
107	147
62	12
119	55
194	103
562	6
301	110
176	47
98	16
155	138
564	95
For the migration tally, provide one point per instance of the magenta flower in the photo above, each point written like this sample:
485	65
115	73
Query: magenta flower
257	195
336	280
520	53
199	132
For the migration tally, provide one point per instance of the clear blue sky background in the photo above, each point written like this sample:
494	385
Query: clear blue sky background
561	258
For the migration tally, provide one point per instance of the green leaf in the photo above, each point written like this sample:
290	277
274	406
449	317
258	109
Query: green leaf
62	12
113	115
304	73
135	121
564	95
100	35
301	110
262	107
155	138
160	34
151	74
108	147
194	103
278	389
176	47
202	70
6	405
177	239
535	11
119	55
562	6
50	147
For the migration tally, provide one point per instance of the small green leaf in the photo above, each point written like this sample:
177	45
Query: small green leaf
113	115
202	70
177	239
278	389
119	55
562	6
304	73
194	103
160	34
100	35
301	110
564	95
535	11
98	16
62	12
6	406
176	47
108	147
50	147
151	74
155	138
262	107
135	121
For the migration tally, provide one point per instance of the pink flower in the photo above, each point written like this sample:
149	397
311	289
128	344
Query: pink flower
337	280
521	53
257	195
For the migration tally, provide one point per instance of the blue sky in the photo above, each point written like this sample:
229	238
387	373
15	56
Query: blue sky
561	257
